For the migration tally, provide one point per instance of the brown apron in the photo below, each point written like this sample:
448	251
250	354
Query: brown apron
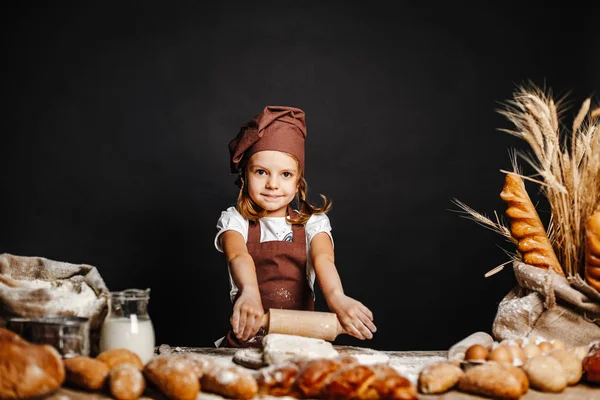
281	273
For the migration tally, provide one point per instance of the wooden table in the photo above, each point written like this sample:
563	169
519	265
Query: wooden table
407	363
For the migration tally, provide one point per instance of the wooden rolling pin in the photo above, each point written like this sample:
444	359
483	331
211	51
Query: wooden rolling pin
312	324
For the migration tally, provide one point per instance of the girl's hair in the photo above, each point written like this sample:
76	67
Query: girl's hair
253	212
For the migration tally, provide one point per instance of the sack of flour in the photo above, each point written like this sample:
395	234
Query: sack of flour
548	305
39	287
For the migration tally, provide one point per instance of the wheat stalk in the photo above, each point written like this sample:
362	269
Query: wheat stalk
498	226
569	169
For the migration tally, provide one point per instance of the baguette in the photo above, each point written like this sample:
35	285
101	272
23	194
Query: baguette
526	226
592	251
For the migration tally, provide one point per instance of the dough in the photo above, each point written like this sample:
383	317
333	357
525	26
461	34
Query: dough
279	347
249	358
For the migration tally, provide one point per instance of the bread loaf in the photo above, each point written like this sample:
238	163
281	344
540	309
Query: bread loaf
176	377
86	372
572	366
546	374
592	251
341	377
439	377
526	226
229	381
28	370
496	380
126	382
114	357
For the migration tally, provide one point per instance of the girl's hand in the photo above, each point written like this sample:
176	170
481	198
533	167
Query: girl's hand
247	315
356	319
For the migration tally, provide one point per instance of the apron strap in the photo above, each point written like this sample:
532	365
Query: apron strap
298	231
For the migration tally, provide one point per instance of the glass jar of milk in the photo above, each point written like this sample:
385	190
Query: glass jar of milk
128	324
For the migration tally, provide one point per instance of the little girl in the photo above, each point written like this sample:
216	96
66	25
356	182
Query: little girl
274	252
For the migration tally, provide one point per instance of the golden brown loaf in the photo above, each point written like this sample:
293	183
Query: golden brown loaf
526	226
28	370
86	372
229	381
592	250
174	376
277	379
337	378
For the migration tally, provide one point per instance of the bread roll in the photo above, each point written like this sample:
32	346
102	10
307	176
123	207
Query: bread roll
277	379
229	381
545	373
174	376
592	251
114	357
126	382
28	370
571	365
86	372
526	226
439	377
497	380
316	373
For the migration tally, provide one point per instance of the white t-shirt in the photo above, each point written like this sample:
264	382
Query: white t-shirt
271	229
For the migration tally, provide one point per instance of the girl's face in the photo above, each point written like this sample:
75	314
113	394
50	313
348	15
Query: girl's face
272	178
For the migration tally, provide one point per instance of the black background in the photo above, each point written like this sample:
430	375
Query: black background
117	118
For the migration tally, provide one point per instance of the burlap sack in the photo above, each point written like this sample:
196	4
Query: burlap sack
38	287
548	305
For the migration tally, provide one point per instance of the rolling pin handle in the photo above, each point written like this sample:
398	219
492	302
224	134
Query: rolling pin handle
265	321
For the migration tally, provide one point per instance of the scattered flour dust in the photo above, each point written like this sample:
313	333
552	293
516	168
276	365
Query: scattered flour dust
65	296
410	367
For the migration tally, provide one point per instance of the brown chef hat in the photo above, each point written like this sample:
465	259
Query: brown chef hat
278	128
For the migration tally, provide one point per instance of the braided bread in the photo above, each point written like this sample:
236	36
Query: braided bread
592	251
526	226
342	377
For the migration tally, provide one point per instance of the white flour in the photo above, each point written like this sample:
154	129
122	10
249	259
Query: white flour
65	296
